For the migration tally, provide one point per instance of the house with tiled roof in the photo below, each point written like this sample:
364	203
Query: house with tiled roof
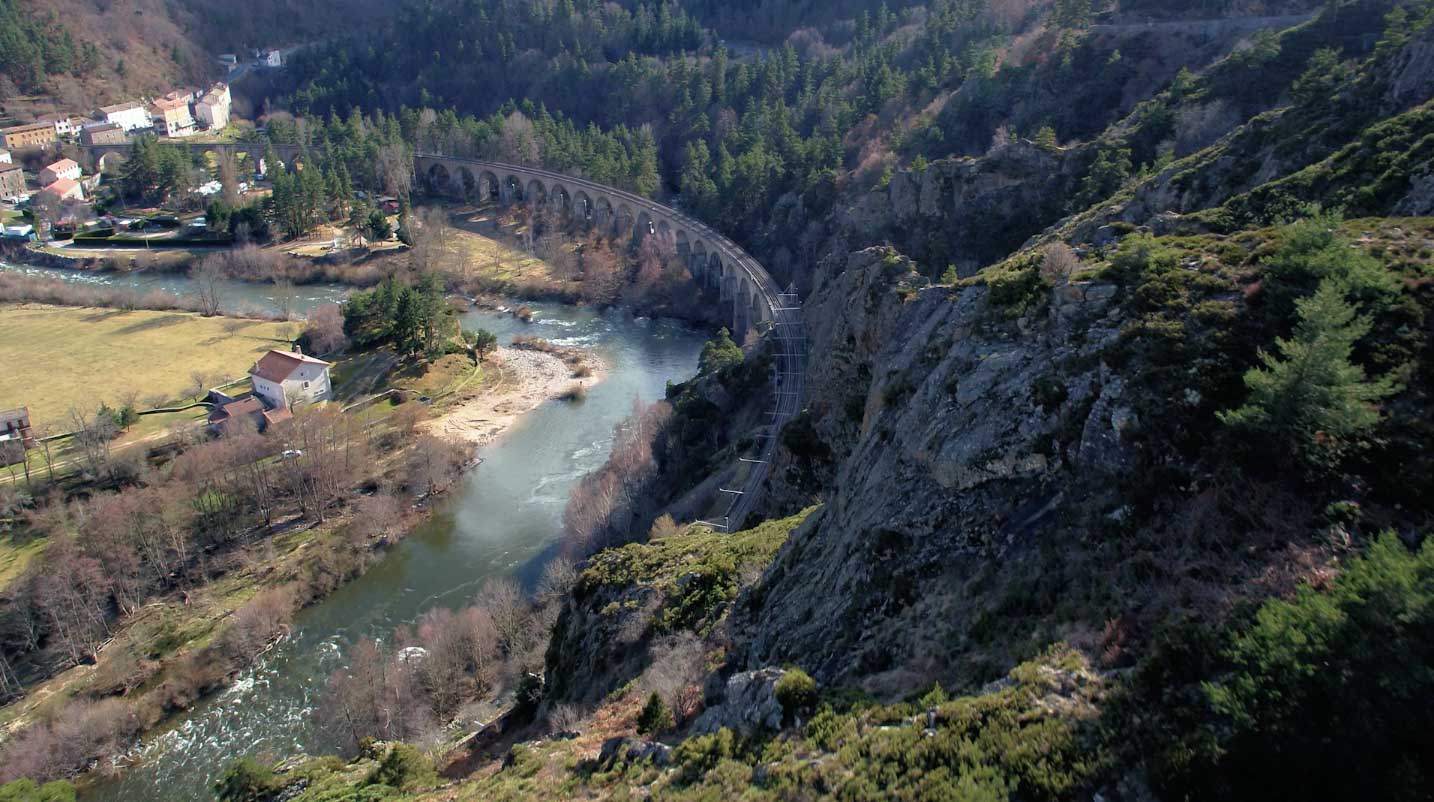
285	379
130	115
213	108
103	134
64	168
171	115
65	189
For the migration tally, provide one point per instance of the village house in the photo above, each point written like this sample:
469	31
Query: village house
172	117
130	115
12	180
15	425
250	407
65	125
65	189
34	135
286	379
103	134
213	108
64	168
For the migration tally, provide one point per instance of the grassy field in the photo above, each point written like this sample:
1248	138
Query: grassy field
474	247
59	357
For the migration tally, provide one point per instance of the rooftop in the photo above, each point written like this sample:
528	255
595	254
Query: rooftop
276	366
62	165
62	186
17	129
119	107
242	406
6	167
170	104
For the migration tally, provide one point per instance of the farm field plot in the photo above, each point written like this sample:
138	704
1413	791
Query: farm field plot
58	357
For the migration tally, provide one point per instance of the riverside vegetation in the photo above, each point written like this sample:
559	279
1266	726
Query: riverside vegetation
1114	476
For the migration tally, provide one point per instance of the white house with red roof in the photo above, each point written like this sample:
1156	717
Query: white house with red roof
287	379
64	168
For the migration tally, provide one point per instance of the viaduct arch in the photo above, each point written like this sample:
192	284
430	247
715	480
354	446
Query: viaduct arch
717	263
101	156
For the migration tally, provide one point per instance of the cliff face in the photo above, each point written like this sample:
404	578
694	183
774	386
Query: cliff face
1363	149
966	212
961	432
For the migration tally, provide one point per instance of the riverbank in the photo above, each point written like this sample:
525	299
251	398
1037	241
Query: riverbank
525	378
196	639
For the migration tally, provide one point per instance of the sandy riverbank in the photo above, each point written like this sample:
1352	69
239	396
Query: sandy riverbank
527	378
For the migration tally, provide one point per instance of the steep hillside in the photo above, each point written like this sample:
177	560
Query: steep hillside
148	47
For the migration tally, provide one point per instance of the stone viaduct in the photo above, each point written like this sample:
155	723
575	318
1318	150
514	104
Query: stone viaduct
715	261
718	264
101	156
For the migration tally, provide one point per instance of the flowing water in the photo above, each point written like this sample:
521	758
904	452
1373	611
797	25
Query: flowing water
503	521
235	296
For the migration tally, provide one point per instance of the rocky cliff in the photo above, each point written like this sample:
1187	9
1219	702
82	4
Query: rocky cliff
965	436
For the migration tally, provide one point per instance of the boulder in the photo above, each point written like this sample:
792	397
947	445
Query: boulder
749	704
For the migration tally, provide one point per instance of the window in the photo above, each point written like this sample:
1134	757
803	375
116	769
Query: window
306	385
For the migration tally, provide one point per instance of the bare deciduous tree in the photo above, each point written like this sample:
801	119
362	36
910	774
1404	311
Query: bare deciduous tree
208	278
284	296
325	329
1058	263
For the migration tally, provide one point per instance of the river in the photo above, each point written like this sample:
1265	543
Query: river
503	521
236	297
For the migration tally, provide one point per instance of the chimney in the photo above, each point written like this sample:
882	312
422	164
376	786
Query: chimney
298	349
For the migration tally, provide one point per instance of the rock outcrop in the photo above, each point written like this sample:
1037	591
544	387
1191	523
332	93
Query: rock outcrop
748	704
962	432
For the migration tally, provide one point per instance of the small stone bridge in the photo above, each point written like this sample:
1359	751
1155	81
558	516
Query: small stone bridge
101	156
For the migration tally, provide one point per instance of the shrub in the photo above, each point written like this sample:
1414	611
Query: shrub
796	691
655	718
29	791
404	768
246	780
720	353
696	756
1323	696
1015	292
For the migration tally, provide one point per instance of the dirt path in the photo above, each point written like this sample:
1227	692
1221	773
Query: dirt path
528	379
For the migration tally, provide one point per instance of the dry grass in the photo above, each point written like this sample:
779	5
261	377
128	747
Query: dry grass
59	357
16	552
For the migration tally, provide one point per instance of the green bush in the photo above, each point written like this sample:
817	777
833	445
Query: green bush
29	791
699	755
246	780
404	768
1323	696
796	691
655	718
720	353
1015	292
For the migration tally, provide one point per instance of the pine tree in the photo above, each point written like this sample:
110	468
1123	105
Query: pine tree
655	718
1310	402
